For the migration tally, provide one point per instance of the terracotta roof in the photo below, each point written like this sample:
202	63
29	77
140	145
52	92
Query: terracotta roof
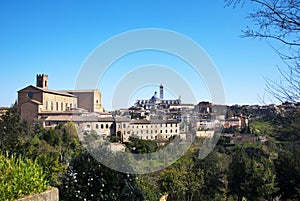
61	118
122	119
140	121
79	91
105	119
64	118
50	91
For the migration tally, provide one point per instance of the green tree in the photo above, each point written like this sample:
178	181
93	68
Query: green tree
181	183
140	146
215	167
251	178
87	179
148	184
288	171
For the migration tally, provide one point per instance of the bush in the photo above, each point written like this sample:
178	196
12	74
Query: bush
20	177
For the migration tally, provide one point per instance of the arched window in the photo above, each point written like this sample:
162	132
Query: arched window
101	126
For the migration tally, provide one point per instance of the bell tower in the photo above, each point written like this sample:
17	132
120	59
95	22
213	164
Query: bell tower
42	81
161	92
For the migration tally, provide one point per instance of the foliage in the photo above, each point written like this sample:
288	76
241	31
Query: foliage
86	179
251	178
148	184
52	148
182	183
261	127
252	171
140	146
287	126
288	171
216	168
20	177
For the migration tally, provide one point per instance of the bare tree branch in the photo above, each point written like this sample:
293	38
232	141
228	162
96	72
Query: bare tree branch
278	20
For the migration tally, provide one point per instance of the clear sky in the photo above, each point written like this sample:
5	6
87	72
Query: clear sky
55	37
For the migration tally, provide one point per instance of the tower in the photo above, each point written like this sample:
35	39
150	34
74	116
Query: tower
161	94
42	81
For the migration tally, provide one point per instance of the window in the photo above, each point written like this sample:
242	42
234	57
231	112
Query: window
106	126
102	126
51	105
56	106
62	106
171	131
160	131
97	126
66	106
46	105
124	125
70	105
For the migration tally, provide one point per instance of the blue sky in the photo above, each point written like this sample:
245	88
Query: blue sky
55	38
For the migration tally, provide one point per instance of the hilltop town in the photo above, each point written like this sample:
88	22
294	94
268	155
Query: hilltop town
155	118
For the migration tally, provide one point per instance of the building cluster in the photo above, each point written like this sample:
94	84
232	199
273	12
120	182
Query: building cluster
84	108
151	119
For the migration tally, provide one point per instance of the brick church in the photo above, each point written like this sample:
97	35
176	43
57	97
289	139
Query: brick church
36	103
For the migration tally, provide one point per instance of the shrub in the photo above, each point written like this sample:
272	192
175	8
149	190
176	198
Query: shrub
20	177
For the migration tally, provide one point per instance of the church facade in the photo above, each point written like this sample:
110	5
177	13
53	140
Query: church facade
154	102
36	103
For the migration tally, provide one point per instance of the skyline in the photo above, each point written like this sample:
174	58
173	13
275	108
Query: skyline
55	39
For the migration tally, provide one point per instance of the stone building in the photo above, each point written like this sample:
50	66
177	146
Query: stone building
154	102
36	103
146	129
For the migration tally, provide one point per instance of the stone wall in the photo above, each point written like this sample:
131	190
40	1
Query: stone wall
49	195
